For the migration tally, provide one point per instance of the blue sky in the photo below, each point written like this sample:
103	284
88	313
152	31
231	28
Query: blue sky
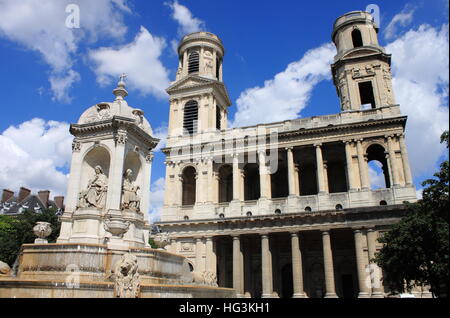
51	74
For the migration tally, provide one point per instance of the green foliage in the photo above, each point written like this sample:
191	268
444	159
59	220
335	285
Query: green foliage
415	251
18	230
152	243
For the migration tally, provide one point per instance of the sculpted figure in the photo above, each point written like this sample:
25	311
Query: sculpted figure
95	193
126	277
130	198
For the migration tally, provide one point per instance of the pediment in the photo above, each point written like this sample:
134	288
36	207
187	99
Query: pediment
196	82
361	52
191	81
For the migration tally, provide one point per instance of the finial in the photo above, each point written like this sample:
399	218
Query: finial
120	92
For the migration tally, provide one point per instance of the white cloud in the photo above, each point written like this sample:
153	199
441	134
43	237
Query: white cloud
161	133
140	59
403	19
36	150
420	69
39	25
156	199
187	22
376	176
284	96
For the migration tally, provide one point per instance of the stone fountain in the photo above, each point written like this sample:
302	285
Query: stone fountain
103	247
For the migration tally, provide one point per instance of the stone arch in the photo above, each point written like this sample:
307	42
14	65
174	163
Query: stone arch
98	155
225	174
357	38
190	117
133	161
189	176
193	62
379	169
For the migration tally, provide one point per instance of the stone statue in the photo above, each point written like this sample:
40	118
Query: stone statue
95	194
208	66
161	240
204	278
5	270
126	277
130	198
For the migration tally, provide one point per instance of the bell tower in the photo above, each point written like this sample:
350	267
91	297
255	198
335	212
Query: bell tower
198	98
361	68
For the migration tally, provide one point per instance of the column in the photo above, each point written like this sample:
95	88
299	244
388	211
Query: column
297	268
363	168
264	176
199	265
297	179
210	187
179	200
393	161
363	288
237	277
375	271
266	263
209	255
330	289
349	165
198	182
320	172
405	160
325	176
236	180
291	171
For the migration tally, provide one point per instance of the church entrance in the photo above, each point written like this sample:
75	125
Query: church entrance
287	288
348	290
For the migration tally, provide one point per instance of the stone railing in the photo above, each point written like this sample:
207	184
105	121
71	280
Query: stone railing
308	203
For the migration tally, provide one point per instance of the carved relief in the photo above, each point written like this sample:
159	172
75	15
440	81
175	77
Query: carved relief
95	194
130	198
387	83
76	146
126	277
343	91
121	137
103	111
208	63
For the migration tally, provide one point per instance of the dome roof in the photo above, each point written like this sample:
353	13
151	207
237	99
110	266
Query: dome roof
119	107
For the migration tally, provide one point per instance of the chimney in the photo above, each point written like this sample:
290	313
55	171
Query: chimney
44	197
6	195
59	202
23	193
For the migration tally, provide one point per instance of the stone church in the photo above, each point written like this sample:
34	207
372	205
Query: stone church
286	209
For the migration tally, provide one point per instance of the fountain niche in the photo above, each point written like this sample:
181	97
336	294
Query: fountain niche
103	247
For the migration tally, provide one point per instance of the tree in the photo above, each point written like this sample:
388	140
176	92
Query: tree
415	251
18	230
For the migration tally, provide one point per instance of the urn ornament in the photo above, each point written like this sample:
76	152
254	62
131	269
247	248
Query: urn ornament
42	230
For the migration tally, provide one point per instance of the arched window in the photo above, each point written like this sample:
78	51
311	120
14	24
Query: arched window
189	189
378	167
251	182
357	38
225	183
249	213
193	62
190	117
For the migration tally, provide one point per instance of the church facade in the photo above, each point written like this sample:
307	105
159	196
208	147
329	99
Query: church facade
286	209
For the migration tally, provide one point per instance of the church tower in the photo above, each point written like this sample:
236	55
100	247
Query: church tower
198	97
361	68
